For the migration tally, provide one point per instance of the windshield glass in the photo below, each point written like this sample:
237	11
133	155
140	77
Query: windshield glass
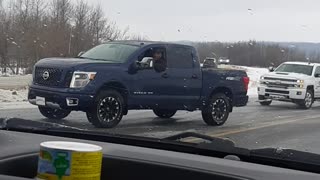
295	68
117	53
157	69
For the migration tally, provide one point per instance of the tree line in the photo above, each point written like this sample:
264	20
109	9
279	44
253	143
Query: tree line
252	53
34	29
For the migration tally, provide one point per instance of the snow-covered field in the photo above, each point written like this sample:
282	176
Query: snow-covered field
254	74
13	95
14	91
12	99
15	81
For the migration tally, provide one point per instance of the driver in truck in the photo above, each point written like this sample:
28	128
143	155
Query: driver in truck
159	63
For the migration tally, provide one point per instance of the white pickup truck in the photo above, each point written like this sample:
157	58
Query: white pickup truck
297	82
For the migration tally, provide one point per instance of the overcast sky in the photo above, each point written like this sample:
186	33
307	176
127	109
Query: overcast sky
222	20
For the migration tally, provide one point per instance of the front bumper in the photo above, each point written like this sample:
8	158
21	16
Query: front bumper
58	100
282	94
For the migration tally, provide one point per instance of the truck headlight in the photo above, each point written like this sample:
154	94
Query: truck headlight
81	79
300	83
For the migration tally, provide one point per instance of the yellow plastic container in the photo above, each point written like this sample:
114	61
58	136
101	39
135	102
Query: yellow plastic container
60	160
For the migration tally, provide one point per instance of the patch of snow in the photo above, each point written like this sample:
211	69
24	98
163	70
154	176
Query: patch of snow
254	73
7	96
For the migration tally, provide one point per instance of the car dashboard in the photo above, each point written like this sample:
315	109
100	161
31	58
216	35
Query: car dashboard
19	158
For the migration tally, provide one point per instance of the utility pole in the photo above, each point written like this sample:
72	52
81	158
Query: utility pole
70	39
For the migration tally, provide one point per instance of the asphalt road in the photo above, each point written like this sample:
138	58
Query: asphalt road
254	126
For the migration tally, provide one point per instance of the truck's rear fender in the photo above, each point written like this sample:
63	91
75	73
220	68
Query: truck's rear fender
232	79
225	90
229	82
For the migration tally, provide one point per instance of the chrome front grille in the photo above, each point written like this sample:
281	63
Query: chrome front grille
47	76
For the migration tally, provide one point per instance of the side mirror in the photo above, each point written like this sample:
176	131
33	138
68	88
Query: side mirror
81	53
271	69
145	63
317	75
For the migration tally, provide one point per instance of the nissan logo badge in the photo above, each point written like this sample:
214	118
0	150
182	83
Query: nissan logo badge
45	75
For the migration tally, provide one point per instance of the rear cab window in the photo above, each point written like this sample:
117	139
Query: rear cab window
180	57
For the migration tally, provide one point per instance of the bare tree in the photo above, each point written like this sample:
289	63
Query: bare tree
59	27
97	25
81	17
5	39
34	29
61	12
138	37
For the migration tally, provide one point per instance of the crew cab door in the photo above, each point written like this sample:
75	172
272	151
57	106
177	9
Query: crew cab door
185	77
147	87
174	88
317	82
195	81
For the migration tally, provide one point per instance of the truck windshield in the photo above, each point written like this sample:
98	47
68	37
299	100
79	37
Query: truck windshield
115	53
295	68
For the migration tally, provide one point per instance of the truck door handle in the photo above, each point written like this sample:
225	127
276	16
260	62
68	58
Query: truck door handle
194	76
165	75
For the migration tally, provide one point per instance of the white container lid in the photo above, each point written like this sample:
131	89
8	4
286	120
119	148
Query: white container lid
71	146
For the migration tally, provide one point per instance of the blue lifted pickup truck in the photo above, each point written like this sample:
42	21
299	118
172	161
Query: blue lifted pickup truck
112	78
